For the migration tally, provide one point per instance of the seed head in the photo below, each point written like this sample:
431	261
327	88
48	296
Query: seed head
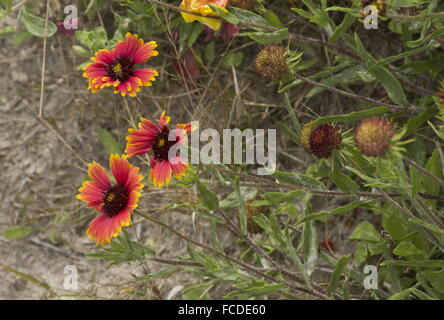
373	136
271	62
321	140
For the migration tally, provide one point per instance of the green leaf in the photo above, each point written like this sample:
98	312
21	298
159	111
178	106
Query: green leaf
279	198
242	209
108	142
232	200
343	181
388	80
164	273
336	275
208	197
343	209
273	19
348	21
122	249
366	231
95	39
266	38
415	263
310	247
195	33
299	179
407	248
17	232
226	15
352	116
405	293
414	123
232	59
249	17
27	277
36	25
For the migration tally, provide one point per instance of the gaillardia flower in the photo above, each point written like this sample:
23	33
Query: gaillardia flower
271	62
373	136
321	139
159	140
117	67
379	4
202	10
114	200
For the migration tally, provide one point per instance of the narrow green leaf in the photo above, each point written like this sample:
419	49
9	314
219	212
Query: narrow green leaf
340	267
208	197
17	232
108	141
352	116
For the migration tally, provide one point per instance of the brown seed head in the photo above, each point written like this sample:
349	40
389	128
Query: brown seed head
321	140
271	62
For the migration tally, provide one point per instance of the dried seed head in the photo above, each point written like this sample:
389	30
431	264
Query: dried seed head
373	136
271	62
321	140
243	4
379	4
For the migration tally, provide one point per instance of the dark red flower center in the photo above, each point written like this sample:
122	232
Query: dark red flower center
121	69
162	145
115	200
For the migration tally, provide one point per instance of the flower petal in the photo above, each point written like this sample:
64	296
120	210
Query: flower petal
160	172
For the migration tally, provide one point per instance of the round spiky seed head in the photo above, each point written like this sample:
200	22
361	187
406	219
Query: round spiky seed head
440	93
243	4
271	62
379	4
373	136
321	140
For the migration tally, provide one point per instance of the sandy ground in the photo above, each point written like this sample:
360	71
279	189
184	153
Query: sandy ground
41	168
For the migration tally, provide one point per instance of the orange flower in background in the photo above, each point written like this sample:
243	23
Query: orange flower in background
201	8
117	67
159	140
114	200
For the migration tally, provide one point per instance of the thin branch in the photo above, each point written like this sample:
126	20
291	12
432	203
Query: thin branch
314	191
260	272
424	171
356	96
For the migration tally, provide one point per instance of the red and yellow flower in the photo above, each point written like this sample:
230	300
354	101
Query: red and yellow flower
158	139
117	67
203	10
114	200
